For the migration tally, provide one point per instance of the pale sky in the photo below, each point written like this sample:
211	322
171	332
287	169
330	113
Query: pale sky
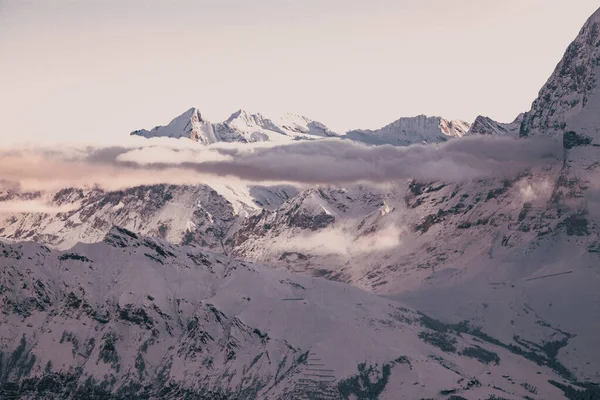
79	70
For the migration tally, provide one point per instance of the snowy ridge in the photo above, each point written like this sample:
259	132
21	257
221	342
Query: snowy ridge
241	126
412	130
204	326
245	127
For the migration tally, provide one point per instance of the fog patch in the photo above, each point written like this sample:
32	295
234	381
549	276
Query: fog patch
34	206
342	241
329	161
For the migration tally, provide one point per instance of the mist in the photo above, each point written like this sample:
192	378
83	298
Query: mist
311	162
34	206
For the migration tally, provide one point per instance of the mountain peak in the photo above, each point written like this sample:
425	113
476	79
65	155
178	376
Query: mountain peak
569	99
238	114
189	125
486	126
191	112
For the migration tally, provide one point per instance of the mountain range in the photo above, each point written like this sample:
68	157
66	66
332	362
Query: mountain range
239	127
288	292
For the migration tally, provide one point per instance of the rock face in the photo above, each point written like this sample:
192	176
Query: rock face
132	317
570	96
412	130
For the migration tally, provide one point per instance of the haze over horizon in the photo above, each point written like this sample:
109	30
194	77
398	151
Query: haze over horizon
78	71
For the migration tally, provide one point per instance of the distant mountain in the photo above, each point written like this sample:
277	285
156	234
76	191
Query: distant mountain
244	127
487	126
239	127
137	318
189	125
412	130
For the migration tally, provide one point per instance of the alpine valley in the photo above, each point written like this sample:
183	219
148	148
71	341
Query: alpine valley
483	289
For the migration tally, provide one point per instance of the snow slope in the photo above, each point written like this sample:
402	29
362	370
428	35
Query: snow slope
132	317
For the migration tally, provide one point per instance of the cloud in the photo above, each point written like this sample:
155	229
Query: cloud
313	162
33	206
535	189
337	161
42	168
341	241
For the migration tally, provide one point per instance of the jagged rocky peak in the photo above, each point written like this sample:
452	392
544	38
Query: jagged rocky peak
410	130
454	128
486	126
190	125
569	100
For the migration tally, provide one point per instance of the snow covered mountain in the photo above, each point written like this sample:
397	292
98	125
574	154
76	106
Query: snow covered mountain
569	100
407	131
181	214
190	125
133	317
239	127
244	127
487	126
511	257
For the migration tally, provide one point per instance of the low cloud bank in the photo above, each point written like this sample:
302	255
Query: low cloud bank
330	162
310	162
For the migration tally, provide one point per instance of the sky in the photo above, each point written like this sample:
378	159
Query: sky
83	70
